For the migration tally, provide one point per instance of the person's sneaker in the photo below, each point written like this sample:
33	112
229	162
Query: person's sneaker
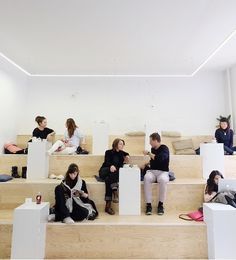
149	209
160	209
51	218
68	220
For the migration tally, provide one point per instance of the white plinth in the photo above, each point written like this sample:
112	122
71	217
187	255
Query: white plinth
29	231
100	138
212	158
129	191
38	160
221	230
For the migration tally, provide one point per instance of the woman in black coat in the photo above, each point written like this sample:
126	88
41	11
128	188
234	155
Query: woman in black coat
109	172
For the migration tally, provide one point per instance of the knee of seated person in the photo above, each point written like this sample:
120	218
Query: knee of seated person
148	176
164	179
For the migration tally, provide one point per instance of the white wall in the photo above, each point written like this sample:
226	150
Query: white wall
232	74
189	105
13	84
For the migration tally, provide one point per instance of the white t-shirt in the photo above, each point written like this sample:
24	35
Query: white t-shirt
75	138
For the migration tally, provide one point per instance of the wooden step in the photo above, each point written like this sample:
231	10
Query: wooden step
183	195
184	166
109	237
134	144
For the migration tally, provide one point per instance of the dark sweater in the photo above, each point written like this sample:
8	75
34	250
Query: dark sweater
112	157
224	136
161	160
42	133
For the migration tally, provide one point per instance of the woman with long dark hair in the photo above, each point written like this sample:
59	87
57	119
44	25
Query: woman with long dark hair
72	199
224	134
72	139
211	189
109	172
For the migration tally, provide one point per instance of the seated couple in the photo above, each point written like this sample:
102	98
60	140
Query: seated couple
157	170
73	138
72	202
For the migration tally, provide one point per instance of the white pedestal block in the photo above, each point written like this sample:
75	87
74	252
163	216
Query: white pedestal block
38	160
29	231
221	230
212	158
129	191
100	138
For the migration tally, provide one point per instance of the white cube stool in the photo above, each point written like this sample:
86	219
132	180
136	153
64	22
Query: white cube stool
221	230
100	138
129	191
212	158
38	160
29	231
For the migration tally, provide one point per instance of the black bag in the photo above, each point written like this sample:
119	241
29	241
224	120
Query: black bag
81	151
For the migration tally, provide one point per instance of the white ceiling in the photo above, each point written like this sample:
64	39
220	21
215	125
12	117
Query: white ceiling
117	36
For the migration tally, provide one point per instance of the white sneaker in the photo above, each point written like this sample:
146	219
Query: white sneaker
52	176
51	218
68	220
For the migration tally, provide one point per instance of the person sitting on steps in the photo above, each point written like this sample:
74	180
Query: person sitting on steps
72	199
224	134
73	138
42	131
109	172
158	172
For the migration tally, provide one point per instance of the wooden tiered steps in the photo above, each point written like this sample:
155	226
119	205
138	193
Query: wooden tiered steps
134	237
184	166
133	144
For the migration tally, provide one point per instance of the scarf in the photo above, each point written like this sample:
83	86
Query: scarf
76	199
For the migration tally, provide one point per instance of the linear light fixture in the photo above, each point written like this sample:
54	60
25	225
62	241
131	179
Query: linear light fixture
232	34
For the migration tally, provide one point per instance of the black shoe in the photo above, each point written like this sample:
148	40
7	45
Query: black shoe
14	172
149	209
160	209
24	170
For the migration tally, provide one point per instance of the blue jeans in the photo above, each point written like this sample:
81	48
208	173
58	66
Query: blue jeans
229	150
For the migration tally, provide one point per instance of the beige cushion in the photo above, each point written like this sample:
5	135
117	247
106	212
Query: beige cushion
185	152
183	144
171	134
135	133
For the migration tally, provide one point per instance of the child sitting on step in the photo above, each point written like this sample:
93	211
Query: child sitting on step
72	199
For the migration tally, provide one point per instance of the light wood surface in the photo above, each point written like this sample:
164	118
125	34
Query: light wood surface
183	195
134	144
184	166
137	236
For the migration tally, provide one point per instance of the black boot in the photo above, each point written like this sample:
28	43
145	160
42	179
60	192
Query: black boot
24	170
14	172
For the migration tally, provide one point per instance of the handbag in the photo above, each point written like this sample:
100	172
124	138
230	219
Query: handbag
193	216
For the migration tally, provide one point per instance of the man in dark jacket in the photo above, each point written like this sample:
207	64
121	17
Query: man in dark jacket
159	172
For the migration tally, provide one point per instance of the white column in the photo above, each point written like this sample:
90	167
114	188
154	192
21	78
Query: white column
29	231
212	158
100	138
38	160
221	230
129	191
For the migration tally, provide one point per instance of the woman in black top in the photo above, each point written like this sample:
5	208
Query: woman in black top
114	160
224	134
72	199
42	131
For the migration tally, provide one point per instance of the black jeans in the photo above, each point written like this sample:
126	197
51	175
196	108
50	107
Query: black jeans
61	211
